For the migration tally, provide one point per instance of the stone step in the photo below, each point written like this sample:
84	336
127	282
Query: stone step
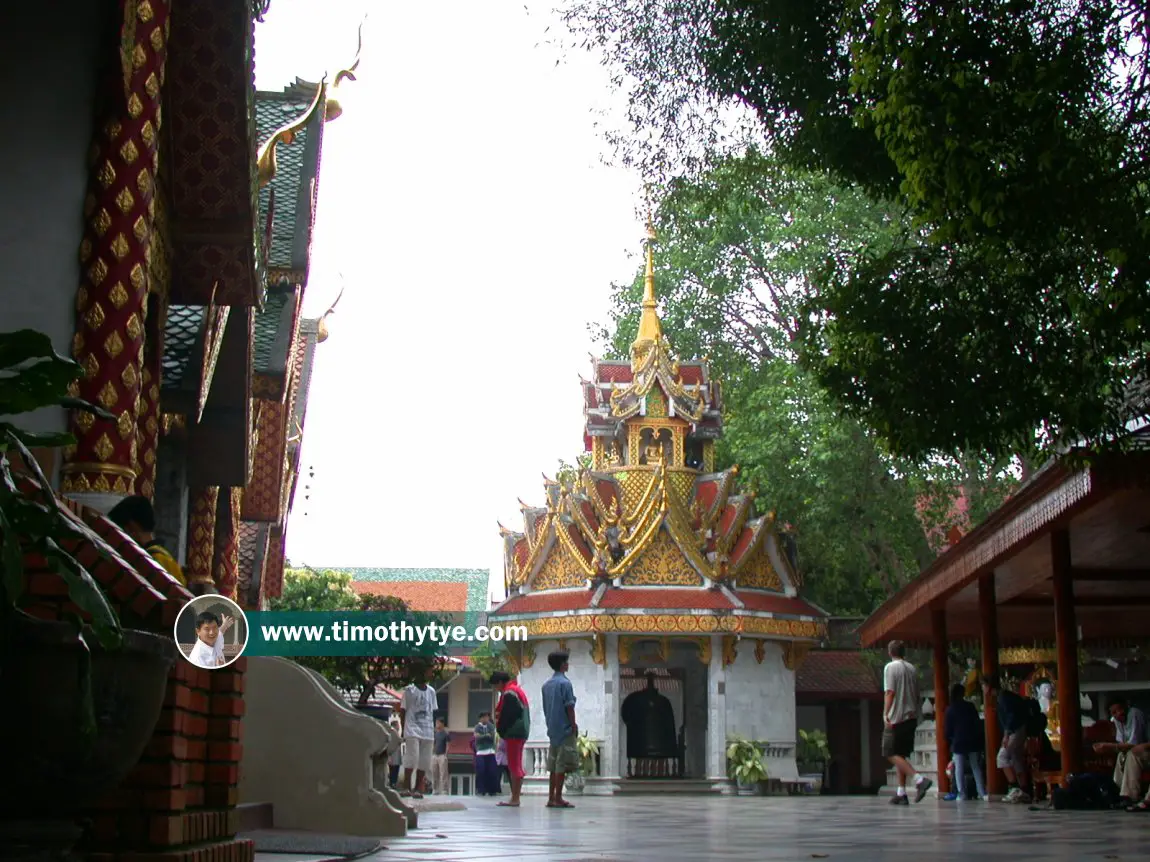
666	785
255	815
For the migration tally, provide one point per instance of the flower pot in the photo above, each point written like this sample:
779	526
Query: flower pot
575	782
58	764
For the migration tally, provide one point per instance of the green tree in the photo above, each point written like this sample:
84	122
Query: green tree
1011	313
360	676
739	253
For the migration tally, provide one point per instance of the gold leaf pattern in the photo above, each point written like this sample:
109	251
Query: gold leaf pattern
108	395
126	425
149	455
97	272
95	316
758	572
559	570
77	345
662	563
129	377
157	38
139	58
113	129
85	250
144	11
82	299
120	246
148	132
144	182
133	327
152	86
118	295
152	425
91	369
113	344
106	175
102	222
140	229
85	421
125	201
137	278
135	106
104	447
128	152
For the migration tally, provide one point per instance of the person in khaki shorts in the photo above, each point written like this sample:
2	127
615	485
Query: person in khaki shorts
562	730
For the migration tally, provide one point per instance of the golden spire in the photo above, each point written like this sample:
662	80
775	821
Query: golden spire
334	104
650	329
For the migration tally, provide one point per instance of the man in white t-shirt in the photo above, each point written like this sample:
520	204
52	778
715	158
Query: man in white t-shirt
900	720
417	711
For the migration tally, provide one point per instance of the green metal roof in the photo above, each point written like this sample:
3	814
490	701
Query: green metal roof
267	328
181	334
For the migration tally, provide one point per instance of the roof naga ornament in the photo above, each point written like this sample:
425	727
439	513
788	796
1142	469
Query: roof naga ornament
266	159
334	102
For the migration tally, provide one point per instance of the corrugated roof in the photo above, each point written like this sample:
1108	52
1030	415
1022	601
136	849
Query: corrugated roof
274	110
776	604
267	327
182	330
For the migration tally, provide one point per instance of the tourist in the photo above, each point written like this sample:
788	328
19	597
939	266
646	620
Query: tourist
1129	741
964	732
513	724
1013	714
440	776
562	730
1143	753
416	709
486	767
900	720
395	759
136	517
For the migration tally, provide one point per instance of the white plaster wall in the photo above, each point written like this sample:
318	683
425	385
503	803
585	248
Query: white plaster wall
587	678
761	697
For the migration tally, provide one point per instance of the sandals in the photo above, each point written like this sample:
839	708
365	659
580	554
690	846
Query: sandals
1141	808
507	804
563	804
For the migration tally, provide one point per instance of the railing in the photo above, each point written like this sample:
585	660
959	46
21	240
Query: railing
660	767
535	760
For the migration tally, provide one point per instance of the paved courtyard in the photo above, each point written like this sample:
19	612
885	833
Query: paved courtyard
748	829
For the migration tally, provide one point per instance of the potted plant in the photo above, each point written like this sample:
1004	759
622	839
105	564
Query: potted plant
813	754
84	697
588	752
745	765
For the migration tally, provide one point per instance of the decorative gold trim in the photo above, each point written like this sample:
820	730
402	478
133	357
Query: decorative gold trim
655	625
793	655
599	649
760	651
266	158
730	650
704	646
106	469
1027	655
625	645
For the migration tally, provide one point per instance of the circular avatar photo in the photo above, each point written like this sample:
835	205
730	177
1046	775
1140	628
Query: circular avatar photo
212	631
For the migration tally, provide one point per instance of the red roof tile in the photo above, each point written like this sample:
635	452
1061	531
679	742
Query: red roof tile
547	601
839	673
638	597
776	604
426	596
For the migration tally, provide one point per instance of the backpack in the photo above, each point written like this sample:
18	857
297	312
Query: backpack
1035	718
1086	792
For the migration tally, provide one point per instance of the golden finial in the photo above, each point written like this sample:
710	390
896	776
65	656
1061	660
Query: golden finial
334	104
650	329
266	159
321	327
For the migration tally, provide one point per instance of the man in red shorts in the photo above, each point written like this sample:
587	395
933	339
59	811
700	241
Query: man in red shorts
513	724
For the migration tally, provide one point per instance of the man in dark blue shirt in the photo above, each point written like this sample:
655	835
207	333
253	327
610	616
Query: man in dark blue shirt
559	711
1013	714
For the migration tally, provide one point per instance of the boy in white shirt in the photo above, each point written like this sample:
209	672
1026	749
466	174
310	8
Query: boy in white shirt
209	649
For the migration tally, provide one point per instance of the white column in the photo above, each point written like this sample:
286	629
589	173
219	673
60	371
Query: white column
717	718
609	747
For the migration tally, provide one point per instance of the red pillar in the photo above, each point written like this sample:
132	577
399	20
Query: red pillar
941	661
1066	635
988	614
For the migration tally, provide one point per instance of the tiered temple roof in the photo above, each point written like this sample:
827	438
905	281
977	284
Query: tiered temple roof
650	524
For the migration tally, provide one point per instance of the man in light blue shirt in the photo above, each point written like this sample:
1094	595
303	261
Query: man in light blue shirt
562	730
1131	757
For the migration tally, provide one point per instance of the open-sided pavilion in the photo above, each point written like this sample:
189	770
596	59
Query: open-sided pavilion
1066	559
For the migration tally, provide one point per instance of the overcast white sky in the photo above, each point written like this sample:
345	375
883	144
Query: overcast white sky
463	199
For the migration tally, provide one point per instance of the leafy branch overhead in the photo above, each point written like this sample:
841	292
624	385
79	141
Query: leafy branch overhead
1010	310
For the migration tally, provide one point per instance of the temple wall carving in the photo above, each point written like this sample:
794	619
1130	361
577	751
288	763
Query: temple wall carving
558	571
662	564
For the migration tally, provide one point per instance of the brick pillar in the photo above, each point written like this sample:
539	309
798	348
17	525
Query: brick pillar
201	538
119	214
225	566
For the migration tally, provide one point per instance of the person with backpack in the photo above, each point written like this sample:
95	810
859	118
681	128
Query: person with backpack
513	724
967	741
1014	714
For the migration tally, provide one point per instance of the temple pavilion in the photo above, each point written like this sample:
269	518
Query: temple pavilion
679	604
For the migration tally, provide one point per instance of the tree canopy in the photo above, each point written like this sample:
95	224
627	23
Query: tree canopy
739	253
1010	311
361	676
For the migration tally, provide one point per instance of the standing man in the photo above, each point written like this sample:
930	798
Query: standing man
1013	713
513	724
1129	746
440	779
900	719
416	711
559	710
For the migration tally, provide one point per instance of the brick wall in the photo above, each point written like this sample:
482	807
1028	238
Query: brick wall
179	803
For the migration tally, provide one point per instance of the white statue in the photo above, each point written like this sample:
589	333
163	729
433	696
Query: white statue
1045	694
